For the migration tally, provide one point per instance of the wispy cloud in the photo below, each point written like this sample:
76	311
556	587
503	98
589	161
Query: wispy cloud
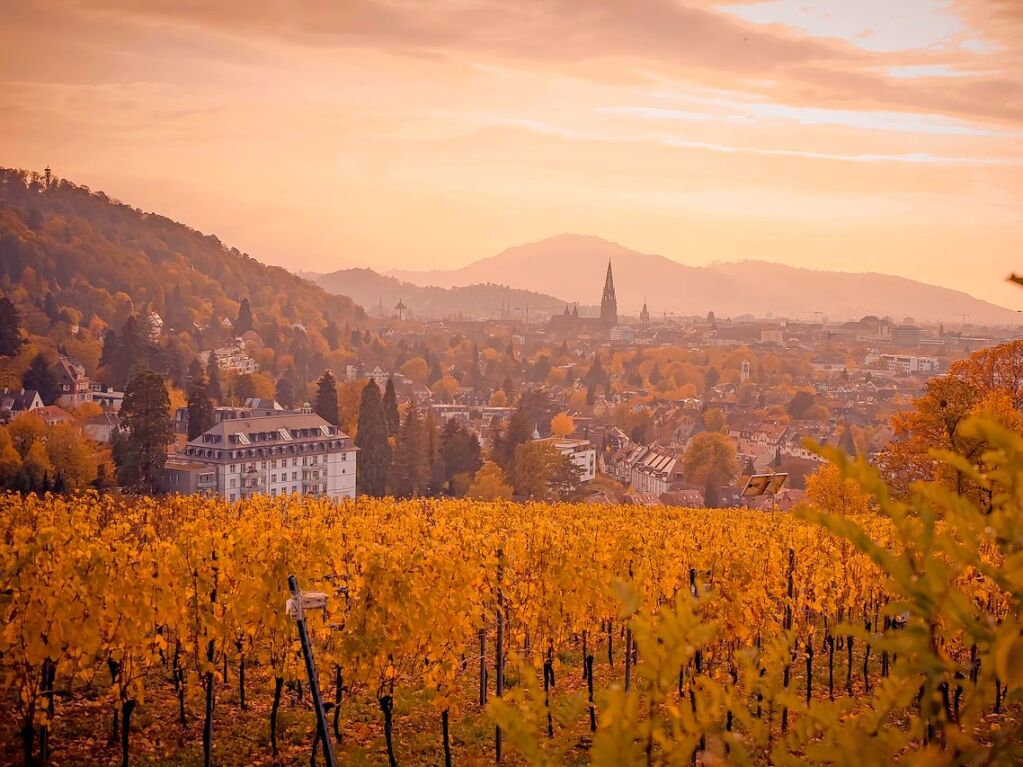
757	112
669	140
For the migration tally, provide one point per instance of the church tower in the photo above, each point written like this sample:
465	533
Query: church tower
608	302
644	315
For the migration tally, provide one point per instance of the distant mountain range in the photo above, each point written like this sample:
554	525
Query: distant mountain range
574	267
375	291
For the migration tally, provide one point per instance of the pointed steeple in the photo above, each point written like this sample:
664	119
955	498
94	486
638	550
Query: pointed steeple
644	316
608	302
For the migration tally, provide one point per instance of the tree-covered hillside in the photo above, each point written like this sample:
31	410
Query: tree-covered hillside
77	264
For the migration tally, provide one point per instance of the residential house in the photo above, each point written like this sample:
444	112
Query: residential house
14	402
53	415
75	387
100	428
233	358
107	398
657	471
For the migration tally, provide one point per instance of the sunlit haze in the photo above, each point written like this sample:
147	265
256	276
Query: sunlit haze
880	135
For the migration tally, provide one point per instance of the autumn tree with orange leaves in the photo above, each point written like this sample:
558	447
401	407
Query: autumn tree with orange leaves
989	383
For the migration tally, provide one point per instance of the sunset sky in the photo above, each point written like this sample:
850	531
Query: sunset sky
876	135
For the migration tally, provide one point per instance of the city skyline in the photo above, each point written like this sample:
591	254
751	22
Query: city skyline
815	136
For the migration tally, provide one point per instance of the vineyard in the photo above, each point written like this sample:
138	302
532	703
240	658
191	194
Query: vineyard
153	631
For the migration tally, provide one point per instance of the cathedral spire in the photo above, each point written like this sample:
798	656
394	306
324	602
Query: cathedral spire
608	302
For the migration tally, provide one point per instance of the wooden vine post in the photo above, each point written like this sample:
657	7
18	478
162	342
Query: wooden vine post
628	645
787	676
499	650
296	608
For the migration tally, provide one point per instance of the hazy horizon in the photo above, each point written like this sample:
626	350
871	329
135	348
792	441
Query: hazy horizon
816	135
402	273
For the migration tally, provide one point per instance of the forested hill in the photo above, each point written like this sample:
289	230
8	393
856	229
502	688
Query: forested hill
91	248
73	255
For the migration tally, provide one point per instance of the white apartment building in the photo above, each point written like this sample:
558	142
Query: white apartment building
906	363
581	453
286	454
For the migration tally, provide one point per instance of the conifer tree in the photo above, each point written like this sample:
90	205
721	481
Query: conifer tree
146	416
516	431
200	408
213	386
10	328
411	473
326	399
285	391
391	408
244	322
39	376
460	450
332	334
371	438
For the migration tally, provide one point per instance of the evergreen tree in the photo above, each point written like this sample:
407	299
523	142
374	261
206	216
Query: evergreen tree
10	329
326	399
213	386
538	408
332	334
174	309
200	408
371	438
244	322
109	352
285	391
596	376
711	379
50	307
438	471
130	351
411	473
518	430
243	388
566	479
145	414
391	408
460	450
541	369
40	376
